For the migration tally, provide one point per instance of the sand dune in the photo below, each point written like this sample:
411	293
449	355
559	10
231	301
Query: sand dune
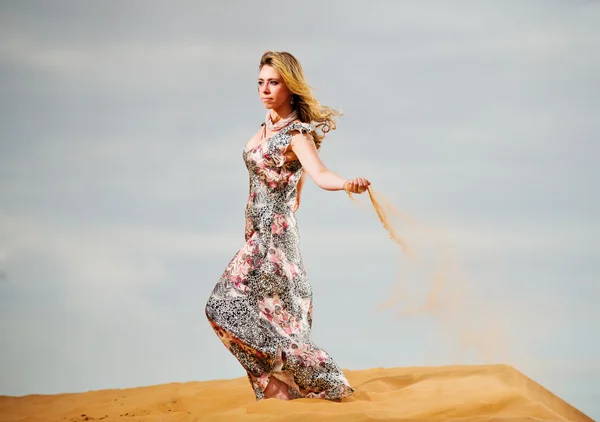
456	393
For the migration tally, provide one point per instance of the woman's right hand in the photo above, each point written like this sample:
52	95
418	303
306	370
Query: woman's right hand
356	185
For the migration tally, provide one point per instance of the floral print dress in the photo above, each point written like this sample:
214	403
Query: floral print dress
261	307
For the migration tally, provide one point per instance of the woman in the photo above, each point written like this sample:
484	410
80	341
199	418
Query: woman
261	308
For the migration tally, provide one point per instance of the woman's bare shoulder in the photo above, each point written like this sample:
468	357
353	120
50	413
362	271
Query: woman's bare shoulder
300	122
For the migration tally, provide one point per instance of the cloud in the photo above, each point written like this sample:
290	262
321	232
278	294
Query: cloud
106	257
71	60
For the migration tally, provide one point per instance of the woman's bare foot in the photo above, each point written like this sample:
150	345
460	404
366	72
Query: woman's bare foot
277	389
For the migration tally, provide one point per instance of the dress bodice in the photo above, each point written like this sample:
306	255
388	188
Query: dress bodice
267	159
272	180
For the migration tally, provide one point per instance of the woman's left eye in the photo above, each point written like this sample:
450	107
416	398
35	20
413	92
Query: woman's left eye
274	82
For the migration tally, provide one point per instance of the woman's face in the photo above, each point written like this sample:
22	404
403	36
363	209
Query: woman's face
273	92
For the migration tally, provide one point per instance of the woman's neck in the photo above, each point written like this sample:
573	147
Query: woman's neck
281	112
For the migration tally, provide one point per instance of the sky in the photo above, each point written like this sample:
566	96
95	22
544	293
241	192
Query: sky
122	185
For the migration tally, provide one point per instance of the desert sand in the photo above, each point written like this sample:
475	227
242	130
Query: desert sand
449	393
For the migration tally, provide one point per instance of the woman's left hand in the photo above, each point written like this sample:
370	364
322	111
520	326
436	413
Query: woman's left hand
356	185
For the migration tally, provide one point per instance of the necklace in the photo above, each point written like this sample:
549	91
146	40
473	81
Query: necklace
281	123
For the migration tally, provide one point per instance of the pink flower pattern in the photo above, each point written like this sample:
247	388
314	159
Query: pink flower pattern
273	310
261	307
280	223
309	355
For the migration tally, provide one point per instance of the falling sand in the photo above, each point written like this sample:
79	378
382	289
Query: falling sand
444	295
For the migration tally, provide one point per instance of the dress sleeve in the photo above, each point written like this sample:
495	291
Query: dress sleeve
302	127
279	147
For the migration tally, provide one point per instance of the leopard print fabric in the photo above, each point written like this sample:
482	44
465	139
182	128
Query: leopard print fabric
261	307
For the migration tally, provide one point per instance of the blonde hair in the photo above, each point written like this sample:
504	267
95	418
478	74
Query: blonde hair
309	110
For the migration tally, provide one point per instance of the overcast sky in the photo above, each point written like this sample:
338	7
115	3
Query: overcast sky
122	185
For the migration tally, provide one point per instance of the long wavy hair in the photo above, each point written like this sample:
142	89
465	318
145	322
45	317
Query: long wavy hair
309	110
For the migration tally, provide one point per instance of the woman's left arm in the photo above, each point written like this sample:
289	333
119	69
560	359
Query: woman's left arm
304	148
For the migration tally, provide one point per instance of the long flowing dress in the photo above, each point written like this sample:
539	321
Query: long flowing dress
261	307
